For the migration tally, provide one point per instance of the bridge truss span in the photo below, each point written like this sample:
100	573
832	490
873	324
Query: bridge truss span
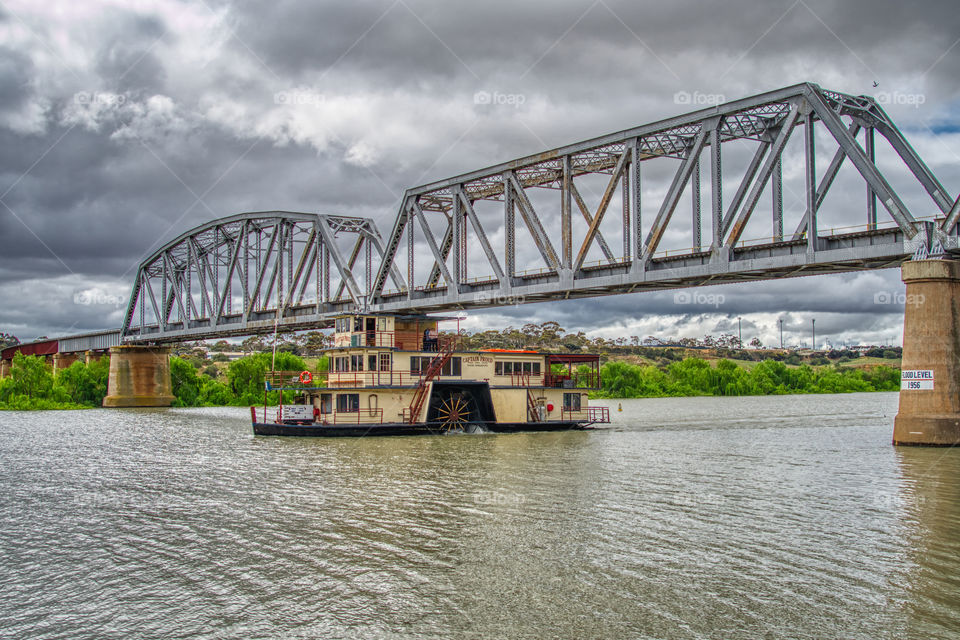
243	274
631	237
762	179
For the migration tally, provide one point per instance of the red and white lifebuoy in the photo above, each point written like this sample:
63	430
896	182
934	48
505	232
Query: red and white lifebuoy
306	377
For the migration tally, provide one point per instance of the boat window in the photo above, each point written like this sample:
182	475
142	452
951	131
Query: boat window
356	363
358	324
348	402
536	368
381	324
571	401
451	368
498	369
527	367
385	362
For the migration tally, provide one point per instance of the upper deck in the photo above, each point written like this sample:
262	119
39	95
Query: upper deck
379	351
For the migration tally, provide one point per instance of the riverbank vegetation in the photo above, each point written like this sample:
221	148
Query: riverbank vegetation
213	375
33	385
698	377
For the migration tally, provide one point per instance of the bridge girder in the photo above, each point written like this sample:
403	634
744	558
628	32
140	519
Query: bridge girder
188	289
244	274
769	121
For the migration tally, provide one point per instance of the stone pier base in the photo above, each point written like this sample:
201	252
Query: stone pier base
63	360
931	342
139	377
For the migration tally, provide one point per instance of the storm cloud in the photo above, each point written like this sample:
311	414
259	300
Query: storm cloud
124	124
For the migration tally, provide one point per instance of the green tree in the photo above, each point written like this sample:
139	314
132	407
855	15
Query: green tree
246	376
86	384
186	383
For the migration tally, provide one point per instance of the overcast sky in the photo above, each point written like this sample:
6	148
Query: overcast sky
124	124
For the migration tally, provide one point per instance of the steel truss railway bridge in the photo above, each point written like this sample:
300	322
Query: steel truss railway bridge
246	274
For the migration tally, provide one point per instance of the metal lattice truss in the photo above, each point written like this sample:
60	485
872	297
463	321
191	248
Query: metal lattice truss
768	121
243	274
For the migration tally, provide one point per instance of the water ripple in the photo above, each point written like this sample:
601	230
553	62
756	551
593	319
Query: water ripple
687	518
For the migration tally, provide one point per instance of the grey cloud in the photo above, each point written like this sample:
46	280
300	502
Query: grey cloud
105	195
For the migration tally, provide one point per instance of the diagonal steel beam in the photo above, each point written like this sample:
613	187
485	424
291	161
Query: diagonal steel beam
175	283
277	266
389	253
582	206
827	179
680	179
952	217
311	249
255	294
351	263
445	247
532	221
301	263
481	234
332	250
776	149
231	269
602	208
432	243
916	164
203	273
741	193
132	301
373	235
891	201
153	298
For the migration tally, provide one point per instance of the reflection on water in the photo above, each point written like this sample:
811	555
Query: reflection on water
687	518
929	499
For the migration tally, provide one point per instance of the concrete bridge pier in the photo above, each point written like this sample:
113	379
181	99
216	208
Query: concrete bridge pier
139	377
930	391
63	360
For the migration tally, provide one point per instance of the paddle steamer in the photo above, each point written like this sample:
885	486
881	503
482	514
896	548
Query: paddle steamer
397	375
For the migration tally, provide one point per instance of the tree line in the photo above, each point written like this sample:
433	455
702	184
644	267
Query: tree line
696	377
32	383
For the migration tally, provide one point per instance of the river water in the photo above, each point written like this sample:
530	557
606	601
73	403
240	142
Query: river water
779	517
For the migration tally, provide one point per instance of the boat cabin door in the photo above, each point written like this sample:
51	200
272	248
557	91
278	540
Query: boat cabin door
371	329
326	403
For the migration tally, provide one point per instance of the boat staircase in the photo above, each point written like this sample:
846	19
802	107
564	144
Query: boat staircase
533	412
434	369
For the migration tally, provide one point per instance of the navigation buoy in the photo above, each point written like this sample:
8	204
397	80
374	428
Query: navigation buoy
619	406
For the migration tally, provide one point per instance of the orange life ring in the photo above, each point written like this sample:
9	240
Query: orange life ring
306	377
